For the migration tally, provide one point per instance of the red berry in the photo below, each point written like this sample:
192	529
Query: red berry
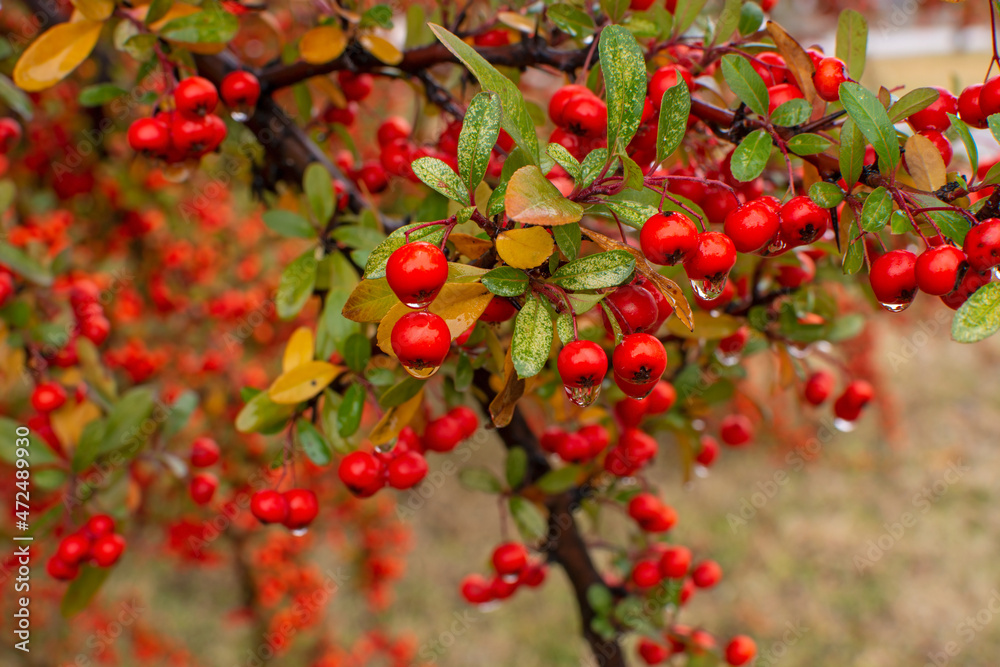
501	588
940	142
107	549
793	276
202	487
58	569
972	281
406	470
191	136
48	396
634	309
646	574
651	652
935	117
443	434
195	97
668	239
989	97
818	387
829	74
476	589
596	437
706	574
269	506
6	287
982	245
752	226
637	447
740	650
719	202
372	176
940	270
392	129
582	364
664	79
496	37
639	359
10	134
95	329
781	93
708	452
551	439
661	399
240	90
355	87
533	576
969	109
302	508
618	464
359	471
416	272
736	430
204	452
587	116
734	343
562	99
498	309
150	136
99	525
74	549
652	515
856	396
421	340
510	558
640	5
771	67
571	142
712	258
893	277
803	221
468	421
663	307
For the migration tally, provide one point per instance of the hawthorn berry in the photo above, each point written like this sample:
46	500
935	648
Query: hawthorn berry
495	37
646	574
667	239
803	221
499	309
771	67
420	340
634	308
935	117
10	134
476	589
562	100
48	396
107	549
240	90
302	508
940	270
893	278
149	136
359	471
752	226
509	559
61	570
204	452
468	422
269	506
706	574
675	561
781	93
582	365
74	549
639	359
652	514
829	74
551	438
664	79
793	276
708	450
856	396
392	129
740	650
982	245
533	575
969	108
443	434
663	307
818	387
416	272
651	652
98	525
406	470
972	281
202	487
718	202
195	97
586	116
712	259
736	430
596	437
661	399
6	287
355	87
502	588
372	176
637	447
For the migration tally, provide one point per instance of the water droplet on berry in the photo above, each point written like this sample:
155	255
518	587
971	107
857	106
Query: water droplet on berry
800	352
240	114
843	425
996	273
299	532
583	396
896	307
177	172
417	305
728	358
709	289
510	578
700	471
386	447
775	247
422	373
487	607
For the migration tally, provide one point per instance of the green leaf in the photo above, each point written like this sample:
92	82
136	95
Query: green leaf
871	118
180	411
751	18
157	10
994	125
83	589
124	429
212	25
615	9
101	93
631	213
808	144
632	175
675	107
350	411
569	239
852	153
463	373
744	81
686	14
517	466
515	119
379	15
15	98
952	224
979	317
296	285
565	160
852	41
39	452
530	521
437	175
288	224
532	339
479	479
624	69
959	127
505	281
854	258
313	443
826	194
333	327
899	223
318	186
401	392
533	200
375	267
571	20
600	599
728	20
559	480
876	210
23	265
750	157
357	352
598	271
912	102
480	130
592	165
791	113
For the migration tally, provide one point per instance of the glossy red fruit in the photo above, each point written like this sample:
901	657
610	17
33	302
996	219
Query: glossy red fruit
829	74
718	203
637	447
359	471
421	340
562	100
661	399
468	421
719	302
803	221
499	309
202	487
59	569
781	93
652	514
646	574
10	134
240	90
191	135
269	506
204	452
740	650
149	136
476	589
510	558
972	281
634	309
736	430
969	108
550	439
302	508
6	287
392	129
793	276
712	259
982	245
596	437
663	307
651	652
675	562
573	448
856	396
406	470
95	329
48	396
893	277
98	525
639	359
587	117
708	451
582	364
935	117
195	97
734	343
668	239
372	175
355	87
107	549
818	387
501	588
664	79
416	272
989	97
940	270
496	37
706	574
752	226
74	549
771	67
443	434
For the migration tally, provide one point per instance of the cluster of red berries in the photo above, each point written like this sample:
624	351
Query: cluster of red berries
95	542
638	361
91	322
581	120
848	406
405	465
584	444
631	411
416	272
680	639
637	307
202	485
651	514
512	568
295	508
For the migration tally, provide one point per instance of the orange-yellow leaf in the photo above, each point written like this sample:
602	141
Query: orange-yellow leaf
381	48
302	382
95	10
300	349
69	420
924	163
323	44
503	404
394	419
472	247
525	248
56	53
798	61
534	200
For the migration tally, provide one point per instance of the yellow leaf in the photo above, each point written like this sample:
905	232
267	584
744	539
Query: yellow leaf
464	273
381	48
472	247
176	11
525	248
394	419
706	326
69	420
323	44
459	304
370	301
95	10
503	404
299	350
303	382
56	53
924	163
517	21
533	199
